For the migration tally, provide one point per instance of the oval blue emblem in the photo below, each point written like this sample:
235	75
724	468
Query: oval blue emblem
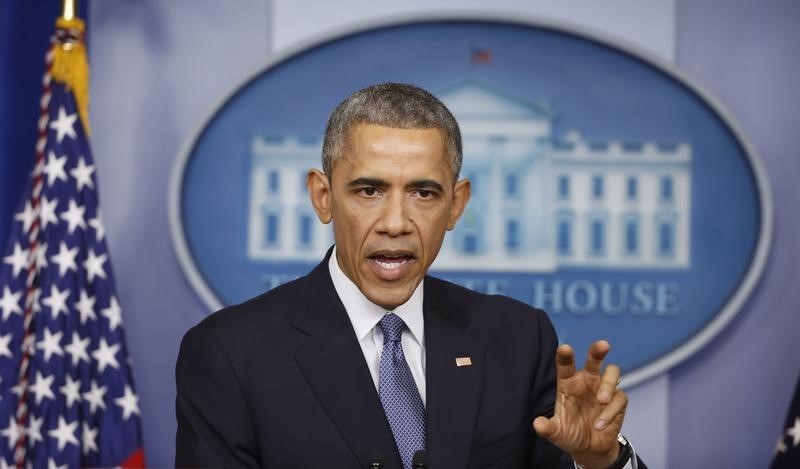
607	188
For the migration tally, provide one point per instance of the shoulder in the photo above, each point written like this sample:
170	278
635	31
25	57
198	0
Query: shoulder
495	312
256	318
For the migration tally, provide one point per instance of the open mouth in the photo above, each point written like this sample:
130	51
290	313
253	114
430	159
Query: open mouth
391	265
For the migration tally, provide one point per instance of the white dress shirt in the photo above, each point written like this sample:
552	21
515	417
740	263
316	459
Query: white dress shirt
365	317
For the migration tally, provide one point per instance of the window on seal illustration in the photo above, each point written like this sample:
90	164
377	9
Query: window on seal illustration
564	233
304	230
563	187
630	229
273	181
666	237
271	228
631	188
470	243
512	186
597	236
665	191
597	187
470	232
512	235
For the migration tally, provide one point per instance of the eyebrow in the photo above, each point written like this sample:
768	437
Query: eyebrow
429	184
366	181
426	184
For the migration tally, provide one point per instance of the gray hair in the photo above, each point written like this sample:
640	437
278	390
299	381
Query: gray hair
395	105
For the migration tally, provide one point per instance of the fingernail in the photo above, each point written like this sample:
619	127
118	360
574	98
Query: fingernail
600	424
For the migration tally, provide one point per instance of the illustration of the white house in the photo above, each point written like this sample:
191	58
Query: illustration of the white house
539	202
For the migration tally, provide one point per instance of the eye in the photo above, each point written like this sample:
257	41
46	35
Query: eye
423	194
368	191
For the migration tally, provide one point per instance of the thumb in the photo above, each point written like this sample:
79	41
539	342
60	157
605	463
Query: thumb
544	427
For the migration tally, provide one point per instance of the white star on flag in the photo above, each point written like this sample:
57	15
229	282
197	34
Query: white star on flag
57	301
129	403
83	174
794	432
18	259
11	432
51	344
95	397
113	313
105	355
99	228
4	341
51	464
94	265
63	125
65	259
26	216
41	257
85	306
35	294
47	212
77	349
74	216
65	433
9	303
54	169
42	387
71	391
34	430
89	439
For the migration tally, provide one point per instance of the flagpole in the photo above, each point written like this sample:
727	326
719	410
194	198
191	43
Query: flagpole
68	12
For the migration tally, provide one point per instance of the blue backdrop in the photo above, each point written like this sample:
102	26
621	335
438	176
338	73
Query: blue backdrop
726	404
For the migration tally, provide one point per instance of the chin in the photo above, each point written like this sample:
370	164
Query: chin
390	299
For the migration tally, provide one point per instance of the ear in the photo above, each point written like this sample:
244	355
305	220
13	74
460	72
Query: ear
319	191
461	193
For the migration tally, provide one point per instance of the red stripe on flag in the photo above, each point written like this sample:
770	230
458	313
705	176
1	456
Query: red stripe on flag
134	460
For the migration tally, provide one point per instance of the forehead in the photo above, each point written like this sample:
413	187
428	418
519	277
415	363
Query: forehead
374	144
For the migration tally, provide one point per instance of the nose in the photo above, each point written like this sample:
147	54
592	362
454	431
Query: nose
396	217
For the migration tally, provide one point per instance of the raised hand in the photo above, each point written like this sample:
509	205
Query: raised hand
589	408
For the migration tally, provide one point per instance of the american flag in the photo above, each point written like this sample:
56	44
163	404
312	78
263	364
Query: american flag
787	449
66	391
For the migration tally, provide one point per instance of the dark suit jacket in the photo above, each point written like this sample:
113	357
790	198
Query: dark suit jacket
280	381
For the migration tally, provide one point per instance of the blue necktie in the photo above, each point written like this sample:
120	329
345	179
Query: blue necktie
399	394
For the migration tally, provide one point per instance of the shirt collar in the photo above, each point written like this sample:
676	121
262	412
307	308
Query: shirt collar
364	314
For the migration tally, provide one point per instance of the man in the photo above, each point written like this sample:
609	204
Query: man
367	360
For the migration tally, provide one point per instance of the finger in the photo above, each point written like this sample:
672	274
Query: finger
614	409
565	361
608	384
597	353
544	427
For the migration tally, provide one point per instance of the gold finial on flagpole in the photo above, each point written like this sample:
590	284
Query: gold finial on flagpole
68	12
70	65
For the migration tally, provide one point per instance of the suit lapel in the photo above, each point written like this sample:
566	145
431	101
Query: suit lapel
453	392
334	366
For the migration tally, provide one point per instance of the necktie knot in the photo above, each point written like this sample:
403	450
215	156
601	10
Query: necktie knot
392	327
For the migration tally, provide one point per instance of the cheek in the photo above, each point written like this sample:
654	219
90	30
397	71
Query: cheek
431	232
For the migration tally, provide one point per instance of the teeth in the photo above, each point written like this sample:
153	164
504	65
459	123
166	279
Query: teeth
391	265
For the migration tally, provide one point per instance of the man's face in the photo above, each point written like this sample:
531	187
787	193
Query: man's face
391	197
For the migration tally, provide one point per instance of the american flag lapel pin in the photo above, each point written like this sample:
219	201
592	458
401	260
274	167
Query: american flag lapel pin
463	361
